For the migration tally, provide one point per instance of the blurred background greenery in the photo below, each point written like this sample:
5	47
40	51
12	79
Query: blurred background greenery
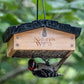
15	12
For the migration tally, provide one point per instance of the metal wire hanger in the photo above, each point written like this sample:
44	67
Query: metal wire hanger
44	33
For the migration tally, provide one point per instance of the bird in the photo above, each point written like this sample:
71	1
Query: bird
42	70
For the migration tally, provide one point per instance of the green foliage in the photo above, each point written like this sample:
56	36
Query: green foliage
14	12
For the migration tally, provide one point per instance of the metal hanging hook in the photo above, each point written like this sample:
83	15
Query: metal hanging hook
44	34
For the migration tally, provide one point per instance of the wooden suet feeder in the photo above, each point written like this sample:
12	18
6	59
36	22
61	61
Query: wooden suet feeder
41	38
26	39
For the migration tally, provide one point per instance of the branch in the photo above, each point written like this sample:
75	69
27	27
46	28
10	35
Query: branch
13	73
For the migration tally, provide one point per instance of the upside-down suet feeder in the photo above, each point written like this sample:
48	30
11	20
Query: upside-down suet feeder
41	38
26	39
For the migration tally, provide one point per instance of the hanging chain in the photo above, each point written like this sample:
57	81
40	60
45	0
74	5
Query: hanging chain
44	29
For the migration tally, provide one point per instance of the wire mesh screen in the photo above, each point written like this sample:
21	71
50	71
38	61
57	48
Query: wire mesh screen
41	54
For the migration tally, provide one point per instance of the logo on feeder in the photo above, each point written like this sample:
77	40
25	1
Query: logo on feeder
44	41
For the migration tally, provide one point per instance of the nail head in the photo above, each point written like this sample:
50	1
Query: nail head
17	44
72	45
17	37
72	38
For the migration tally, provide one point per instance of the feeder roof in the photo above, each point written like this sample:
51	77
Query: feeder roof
38	24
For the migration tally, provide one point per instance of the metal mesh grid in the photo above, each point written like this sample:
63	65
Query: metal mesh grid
41	54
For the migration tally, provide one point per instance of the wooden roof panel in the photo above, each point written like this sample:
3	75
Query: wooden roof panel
38	24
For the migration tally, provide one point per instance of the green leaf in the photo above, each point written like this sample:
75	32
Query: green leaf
4	26
57	4
1	14
76	2
80	77
47	6
10	4
6	66
42	16
61	11
71	73
12	19
80	14
81	49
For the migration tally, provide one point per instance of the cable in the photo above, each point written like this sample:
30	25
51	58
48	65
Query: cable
44	29
44	10
37	9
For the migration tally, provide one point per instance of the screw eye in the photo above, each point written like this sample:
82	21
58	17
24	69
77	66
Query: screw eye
72	38
17	37
72	45
17	44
